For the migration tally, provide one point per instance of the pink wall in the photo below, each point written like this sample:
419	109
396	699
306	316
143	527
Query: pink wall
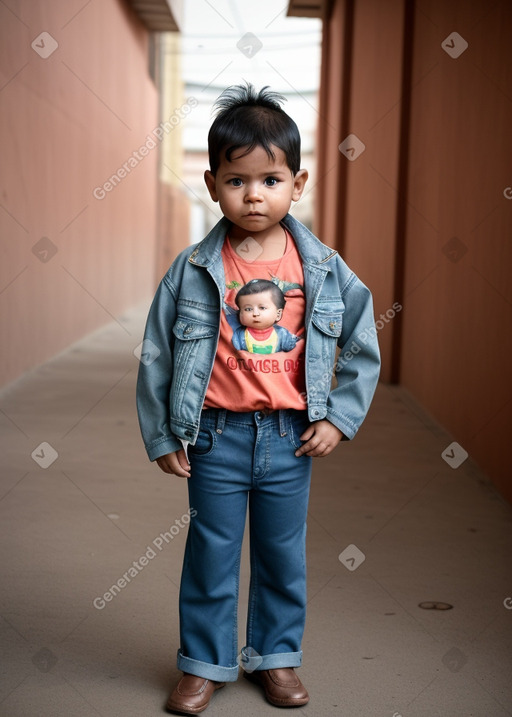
67	123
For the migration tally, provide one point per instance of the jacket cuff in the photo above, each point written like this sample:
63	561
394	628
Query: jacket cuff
345	425
162	446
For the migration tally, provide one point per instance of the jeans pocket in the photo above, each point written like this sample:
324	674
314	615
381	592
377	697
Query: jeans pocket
297	426
205	442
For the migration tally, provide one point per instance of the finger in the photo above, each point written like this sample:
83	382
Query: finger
177	468
182	459
310	431
306	448
318	449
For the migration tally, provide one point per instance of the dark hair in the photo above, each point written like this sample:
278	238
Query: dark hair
257	286
249	119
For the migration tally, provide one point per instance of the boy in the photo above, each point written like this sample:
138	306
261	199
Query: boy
242	418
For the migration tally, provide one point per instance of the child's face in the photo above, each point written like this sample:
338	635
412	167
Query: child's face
258	311
255	191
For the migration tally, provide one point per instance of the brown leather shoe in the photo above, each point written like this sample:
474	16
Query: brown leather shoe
282	686
192	694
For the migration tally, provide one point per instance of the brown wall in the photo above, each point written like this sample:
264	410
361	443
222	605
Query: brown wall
360	95
435	167
456	342
67	124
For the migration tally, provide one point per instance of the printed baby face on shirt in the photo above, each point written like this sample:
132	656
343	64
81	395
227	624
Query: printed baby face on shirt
258	311
255	326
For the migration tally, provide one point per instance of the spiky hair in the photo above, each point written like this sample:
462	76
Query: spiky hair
247	119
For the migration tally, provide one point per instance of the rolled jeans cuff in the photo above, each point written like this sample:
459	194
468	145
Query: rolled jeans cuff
217	673
250	661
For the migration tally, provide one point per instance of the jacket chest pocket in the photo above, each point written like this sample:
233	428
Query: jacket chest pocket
191	343
328	320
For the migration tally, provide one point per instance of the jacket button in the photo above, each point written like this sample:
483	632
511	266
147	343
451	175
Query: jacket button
188	329
189	433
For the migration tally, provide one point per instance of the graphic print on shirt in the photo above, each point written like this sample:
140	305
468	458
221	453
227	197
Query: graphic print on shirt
255	317
260	355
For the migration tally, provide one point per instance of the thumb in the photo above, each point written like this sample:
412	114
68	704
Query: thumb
182	459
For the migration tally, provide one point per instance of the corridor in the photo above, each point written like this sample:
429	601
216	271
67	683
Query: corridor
93	536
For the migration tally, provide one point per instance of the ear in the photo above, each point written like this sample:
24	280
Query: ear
299	182
210	183
279	315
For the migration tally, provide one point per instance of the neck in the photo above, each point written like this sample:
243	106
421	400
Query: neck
272	241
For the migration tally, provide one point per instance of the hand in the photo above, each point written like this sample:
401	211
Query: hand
321	438
175	463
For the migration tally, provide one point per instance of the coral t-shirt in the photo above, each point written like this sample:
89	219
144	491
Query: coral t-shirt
257	368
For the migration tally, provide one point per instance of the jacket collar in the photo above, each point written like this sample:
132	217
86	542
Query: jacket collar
311	249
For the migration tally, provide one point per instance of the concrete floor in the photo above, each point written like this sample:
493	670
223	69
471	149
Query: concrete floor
70	530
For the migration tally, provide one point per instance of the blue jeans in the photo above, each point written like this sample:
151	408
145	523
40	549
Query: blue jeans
240	458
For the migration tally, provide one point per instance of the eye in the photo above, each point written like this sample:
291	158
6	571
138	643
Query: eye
235	182
271	181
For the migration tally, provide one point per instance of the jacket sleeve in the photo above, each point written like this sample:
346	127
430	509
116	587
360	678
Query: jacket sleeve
155	373
358	365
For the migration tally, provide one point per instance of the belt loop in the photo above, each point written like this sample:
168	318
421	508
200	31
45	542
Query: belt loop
283	422
221	419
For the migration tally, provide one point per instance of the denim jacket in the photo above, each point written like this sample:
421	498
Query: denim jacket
182	332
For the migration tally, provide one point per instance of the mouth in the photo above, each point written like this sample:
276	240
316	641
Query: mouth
254	214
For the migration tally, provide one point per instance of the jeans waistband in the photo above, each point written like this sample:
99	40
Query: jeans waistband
280	416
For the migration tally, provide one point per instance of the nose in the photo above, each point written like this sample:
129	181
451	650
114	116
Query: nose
252	193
